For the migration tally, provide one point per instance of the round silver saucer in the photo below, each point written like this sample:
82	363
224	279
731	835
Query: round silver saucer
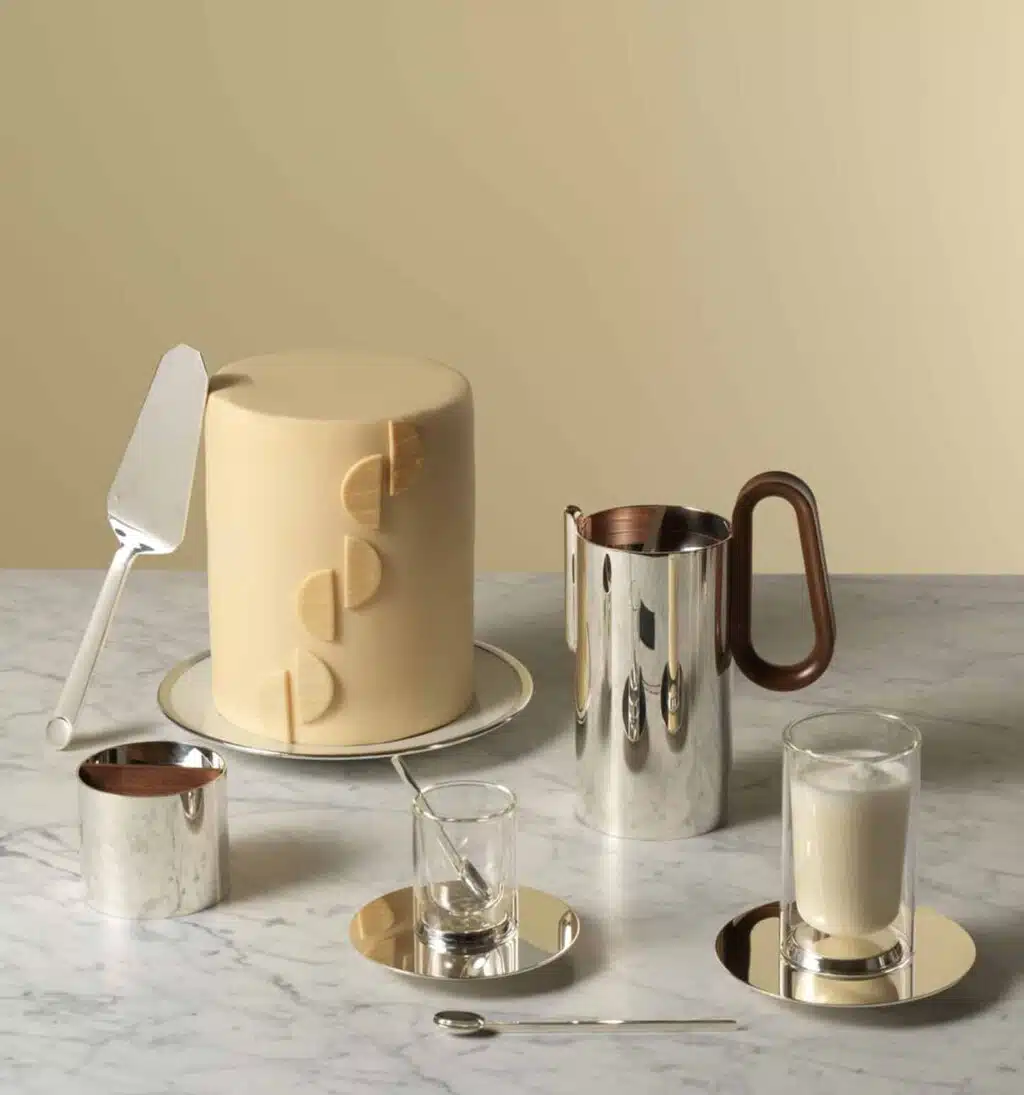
748	947
384	932
502	688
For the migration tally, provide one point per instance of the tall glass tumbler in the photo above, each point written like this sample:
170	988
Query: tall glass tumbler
851	781
464	859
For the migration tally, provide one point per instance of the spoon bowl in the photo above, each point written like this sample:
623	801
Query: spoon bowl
460	1022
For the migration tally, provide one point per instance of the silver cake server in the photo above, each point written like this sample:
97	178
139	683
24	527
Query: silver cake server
147	506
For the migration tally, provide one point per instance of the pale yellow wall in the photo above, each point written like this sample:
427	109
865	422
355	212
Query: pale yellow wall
671	243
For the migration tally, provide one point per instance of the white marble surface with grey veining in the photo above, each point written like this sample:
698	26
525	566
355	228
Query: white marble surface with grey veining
263	995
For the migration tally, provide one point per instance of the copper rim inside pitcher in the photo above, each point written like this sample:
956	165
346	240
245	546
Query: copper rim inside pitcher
654	530
151	769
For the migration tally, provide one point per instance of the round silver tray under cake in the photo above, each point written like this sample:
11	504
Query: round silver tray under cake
502	688
384	931
748	947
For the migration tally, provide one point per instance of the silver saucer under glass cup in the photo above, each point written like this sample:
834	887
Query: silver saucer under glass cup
658	604
465	917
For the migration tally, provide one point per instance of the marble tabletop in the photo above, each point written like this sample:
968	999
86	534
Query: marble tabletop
263	995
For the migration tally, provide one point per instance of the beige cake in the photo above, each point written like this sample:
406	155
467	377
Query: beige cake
340	524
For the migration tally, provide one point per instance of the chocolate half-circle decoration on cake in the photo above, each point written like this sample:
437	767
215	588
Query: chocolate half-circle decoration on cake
362	571
405	455
275	703
312	686
362	489
318	605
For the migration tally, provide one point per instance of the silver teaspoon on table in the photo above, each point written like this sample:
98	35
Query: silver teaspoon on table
468	1022
147	507
466	872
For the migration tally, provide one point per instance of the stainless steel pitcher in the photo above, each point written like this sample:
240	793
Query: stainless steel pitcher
658	603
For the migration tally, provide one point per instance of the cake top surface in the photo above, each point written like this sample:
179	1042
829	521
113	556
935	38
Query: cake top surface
322	384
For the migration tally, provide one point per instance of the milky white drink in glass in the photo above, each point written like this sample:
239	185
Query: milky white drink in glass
849	833
851	783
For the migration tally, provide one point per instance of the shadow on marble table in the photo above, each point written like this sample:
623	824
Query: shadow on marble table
954	754
755	788
89	740
781	617
268	863
537	637
958	753
783	632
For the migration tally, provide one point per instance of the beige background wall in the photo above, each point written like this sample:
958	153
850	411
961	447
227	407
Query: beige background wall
672	244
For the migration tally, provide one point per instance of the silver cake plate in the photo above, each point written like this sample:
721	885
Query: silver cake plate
748	947
502	687
384	931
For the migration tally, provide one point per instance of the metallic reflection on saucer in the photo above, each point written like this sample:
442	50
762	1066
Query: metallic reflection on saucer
502	687
384	932
748	947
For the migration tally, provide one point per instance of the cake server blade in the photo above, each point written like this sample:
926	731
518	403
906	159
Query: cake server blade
147	506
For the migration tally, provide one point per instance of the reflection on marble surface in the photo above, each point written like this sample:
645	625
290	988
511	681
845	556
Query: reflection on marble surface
263	994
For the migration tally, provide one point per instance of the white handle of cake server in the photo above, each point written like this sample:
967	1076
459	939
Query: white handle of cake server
61	727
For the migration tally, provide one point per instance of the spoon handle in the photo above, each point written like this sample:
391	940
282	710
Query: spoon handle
449	849
464	870
632	1026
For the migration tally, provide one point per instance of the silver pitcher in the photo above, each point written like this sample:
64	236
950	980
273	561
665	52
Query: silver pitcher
658	603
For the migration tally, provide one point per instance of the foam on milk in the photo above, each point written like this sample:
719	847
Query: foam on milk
849	822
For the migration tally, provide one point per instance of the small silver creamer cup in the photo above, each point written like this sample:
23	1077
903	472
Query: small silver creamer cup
154	829
658	604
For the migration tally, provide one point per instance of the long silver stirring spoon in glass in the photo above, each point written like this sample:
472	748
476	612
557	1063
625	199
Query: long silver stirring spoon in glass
465	870
468	1022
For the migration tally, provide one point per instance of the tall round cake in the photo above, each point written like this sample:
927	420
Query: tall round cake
340	526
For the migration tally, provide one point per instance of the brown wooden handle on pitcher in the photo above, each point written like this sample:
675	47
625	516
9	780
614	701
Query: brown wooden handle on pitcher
779	678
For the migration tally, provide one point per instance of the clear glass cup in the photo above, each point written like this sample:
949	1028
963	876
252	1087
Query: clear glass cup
473	822
851	781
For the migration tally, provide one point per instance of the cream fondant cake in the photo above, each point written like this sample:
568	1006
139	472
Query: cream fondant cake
340	524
